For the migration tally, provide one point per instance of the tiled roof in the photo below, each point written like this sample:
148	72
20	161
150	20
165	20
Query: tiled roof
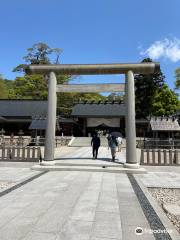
164	124
40	123
98	110
19	108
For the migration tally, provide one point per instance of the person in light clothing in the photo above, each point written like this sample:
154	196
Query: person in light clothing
112	143
119	140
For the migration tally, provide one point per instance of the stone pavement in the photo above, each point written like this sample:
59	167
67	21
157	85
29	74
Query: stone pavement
75	205
80	159
85	154
160	179
18	174
71	206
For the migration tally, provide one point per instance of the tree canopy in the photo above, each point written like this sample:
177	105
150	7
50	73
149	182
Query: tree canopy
145	88
165	102
35	86
177	83
3	88
115	97
39	53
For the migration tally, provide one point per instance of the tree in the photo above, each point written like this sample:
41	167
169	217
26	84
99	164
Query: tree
165	102
145	88
66	101
30	87
39	53
10	88
3	88
115	97
35	86
177	83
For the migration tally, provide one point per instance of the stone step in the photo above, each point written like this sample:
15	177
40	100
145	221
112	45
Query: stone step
89	169
89	164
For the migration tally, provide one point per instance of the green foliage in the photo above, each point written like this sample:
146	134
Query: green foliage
39	53
165	102
30	87
88	97
146	86
9	84
115	96
35	86
3	88
10	88
63	79
65	101
177	83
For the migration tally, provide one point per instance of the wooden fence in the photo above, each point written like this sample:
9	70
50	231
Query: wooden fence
160	157
31	154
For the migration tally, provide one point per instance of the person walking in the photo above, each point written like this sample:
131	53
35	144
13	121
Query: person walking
95	143
119	140
112	142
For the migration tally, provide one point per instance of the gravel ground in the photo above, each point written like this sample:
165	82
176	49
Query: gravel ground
170	196
5	184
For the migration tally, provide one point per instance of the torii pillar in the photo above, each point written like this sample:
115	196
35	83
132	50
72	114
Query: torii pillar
131	158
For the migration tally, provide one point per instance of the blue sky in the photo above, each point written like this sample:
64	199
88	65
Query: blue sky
96	31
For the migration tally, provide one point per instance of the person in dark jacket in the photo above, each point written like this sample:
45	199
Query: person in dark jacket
95	143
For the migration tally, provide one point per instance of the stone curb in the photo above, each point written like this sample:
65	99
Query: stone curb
89	169
116	164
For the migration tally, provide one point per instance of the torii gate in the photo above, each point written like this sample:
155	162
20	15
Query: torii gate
93	69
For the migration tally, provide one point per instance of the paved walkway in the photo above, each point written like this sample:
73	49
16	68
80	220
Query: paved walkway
18	174
85	154
71	206
75	205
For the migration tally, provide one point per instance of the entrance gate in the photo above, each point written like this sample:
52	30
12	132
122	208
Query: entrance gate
93	69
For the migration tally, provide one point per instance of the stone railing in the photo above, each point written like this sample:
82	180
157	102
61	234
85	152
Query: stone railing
158	143
160	157
14	141
59	141
20	154
23	141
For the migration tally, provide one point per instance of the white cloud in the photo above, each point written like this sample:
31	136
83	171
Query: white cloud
166	48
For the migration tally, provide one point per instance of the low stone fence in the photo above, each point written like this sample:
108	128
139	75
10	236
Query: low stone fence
31	154
59	141
23	141
152	143
160	157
